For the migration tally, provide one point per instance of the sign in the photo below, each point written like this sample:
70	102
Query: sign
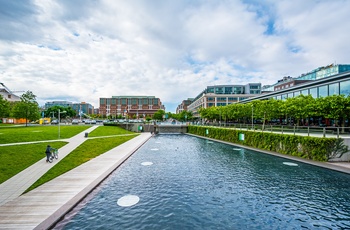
241	137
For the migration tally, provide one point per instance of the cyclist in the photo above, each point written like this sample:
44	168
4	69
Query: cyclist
48	153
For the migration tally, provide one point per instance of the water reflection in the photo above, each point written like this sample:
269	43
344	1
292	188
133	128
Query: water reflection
195	184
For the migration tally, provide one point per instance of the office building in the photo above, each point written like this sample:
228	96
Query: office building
130	106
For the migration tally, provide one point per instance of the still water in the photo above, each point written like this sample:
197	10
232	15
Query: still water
184	182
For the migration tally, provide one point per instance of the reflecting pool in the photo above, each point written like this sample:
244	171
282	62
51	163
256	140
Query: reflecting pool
184	182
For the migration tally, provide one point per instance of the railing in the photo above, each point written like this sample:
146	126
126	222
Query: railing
329	131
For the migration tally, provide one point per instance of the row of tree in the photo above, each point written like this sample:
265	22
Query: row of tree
298	109
27	108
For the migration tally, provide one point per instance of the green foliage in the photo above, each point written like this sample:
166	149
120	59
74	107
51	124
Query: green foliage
53	112
27	108
4	107
85	152
306	147
37	133
15	158
159	115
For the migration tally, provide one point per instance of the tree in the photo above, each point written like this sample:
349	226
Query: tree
53	111
4	107
159	115
27	108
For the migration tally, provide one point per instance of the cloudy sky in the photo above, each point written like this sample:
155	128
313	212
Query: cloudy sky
82	50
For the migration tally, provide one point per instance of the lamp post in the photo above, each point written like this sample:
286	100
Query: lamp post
252	116
59	121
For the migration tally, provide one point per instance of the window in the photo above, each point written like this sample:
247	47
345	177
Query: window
210	90
334	89
133	101
219	90
155	101
228	90
290	95
345	88
237	90
297	93
210	99
313	92
114	101
305	92
123	101
145	101
284	96
102	101
108	101
323	91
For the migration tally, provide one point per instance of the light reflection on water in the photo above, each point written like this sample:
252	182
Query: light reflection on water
195	184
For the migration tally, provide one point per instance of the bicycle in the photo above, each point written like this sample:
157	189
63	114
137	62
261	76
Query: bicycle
54	155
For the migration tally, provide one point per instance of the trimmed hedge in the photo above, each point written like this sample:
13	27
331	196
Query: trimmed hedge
312	148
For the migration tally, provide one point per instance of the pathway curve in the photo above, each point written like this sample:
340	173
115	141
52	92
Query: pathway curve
16	185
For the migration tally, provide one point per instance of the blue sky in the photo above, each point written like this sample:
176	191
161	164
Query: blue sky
81	50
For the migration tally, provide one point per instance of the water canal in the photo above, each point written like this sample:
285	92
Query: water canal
185	182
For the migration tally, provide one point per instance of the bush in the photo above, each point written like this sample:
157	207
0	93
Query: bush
313	148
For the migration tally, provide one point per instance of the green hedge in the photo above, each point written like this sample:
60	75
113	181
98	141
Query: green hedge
313	148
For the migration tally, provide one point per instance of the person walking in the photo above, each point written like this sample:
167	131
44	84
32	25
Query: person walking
48	153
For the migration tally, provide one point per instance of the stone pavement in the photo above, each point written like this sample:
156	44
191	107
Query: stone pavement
45	205
19	183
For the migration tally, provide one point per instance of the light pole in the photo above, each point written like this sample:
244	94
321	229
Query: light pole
252	116
59	121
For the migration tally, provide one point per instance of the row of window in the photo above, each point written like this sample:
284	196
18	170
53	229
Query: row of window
321	91
132	101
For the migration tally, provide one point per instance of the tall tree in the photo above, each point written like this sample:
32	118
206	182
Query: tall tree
27	108
4	107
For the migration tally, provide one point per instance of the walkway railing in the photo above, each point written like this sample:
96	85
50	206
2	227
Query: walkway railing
329	131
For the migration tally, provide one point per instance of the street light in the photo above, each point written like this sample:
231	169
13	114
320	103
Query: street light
59	121
252	116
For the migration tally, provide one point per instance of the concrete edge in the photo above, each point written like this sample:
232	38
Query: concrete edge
65	208
327	165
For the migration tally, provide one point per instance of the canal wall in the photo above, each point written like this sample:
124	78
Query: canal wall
313	148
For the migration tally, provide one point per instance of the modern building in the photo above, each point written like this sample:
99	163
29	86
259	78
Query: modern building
7	94
83	108
58	103
221	95
183	106
131	106
80	108
318	73
322	87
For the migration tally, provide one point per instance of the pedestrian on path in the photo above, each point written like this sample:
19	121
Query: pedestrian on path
48	153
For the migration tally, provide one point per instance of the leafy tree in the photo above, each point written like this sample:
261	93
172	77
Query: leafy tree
159	115
53	111
27	108
4	107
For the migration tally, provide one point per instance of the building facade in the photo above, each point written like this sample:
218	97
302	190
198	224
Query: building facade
80	108
183	106
222	95
338	84
7	94
130	106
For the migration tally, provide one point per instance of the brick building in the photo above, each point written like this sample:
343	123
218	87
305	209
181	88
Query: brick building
131	106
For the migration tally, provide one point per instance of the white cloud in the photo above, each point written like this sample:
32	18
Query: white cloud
84	50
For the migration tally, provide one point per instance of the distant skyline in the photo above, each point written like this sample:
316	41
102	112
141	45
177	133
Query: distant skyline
82	50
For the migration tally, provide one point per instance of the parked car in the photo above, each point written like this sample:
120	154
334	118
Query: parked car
54	122
75	121
93	122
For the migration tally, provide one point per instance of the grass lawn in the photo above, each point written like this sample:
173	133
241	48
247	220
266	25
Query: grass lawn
38	133
15	158
85	152
108	131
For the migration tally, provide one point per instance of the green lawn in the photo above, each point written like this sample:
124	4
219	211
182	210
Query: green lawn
108	131
38	133
85	152
15	158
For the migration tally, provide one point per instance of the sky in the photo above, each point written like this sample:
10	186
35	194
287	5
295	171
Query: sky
83	50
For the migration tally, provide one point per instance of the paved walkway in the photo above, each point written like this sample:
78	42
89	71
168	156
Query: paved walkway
45	205
15	186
